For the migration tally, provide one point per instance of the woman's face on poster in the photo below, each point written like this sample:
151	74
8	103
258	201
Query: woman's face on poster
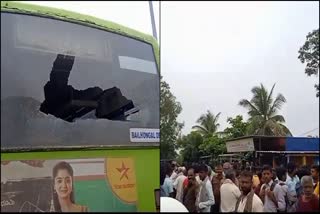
63	184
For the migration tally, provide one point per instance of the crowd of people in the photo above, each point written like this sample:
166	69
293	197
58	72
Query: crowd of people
232	188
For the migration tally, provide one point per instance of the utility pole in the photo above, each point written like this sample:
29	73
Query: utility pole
153	24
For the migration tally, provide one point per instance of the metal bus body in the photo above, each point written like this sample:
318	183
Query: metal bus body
79	101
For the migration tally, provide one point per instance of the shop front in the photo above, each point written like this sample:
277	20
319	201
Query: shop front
266	149
277	151
302	150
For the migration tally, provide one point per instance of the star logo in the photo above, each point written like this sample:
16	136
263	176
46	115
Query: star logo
123	171
121	175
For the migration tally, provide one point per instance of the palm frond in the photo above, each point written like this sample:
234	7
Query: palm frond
208	123
286	130
278	118
199	128
262	110
277	104
269	100
247	104
260	99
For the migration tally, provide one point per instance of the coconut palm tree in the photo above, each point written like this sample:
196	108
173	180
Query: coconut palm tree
208	124
263	111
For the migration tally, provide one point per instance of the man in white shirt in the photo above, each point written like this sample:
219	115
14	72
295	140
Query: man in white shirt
198	178
249	201
205	198
226	166
290	197
291	181
174	174
272	196
178	183
167	185
229	192
292	178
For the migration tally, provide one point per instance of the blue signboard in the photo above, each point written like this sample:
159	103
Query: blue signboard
302	144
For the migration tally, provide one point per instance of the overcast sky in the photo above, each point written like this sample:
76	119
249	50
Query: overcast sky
135	15
213	53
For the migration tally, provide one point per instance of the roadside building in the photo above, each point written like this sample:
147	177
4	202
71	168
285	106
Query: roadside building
277	150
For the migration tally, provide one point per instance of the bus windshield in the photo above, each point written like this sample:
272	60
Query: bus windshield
68	84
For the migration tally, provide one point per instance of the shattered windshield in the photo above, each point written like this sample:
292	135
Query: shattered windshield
66	84
67	103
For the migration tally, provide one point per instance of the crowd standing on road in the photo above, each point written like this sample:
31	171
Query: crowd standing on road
233	188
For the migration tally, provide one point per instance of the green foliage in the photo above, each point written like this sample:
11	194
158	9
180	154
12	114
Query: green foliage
214	146
207	141
170	127
238	127
309	53
180	159
248	156
264	120
263	111
189	145
204	141
208	124
193	146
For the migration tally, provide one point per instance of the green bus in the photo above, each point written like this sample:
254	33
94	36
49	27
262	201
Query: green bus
79	113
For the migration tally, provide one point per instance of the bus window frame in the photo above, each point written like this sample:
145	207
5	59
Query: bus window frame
84	147
78	22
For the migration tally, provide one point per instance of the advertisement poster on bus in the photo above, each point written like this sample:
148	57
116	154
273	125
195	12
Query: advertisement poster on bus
71	185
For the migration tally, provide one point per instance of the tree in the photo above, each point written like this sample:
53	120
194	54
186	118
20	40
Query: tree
263	111
309	53
238	127
170	128
208	124
214	146
189	145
